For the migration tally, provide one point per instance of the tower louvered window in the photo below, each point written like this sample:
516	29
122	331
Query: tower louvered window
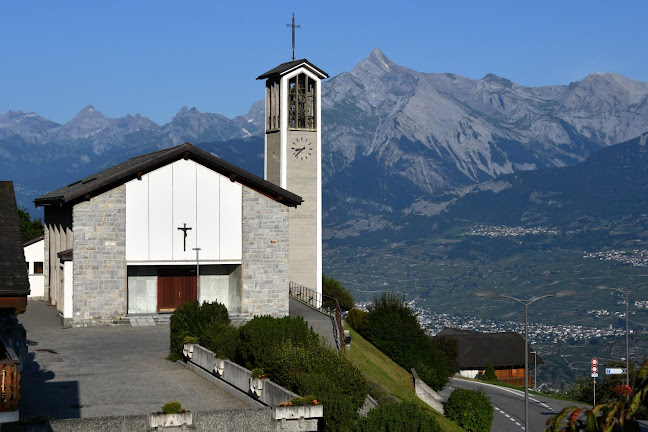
301	102
272	105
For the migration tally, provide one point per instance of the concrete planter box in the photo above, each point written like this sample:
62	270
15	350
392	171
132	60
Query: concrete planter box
188	350
159	420
256	386
297	412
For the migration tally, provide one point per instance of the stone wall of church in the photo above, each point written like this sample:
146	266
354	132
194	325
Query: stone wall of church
99	227
265	274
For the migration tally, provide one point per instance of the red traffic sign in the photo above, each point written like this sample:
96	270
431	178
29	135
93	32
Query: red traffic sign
594	369
594	361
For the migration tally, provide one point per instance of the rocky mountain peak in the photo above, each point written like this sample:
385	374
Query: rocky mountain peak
376	65
188	112
88	111
493	79
381	60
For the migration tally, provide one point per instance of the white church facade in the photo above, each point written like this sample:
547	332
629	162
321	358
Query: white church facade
180	224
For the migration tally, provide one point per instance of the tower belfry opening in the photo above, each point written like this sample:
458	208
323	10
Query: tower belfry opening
301	102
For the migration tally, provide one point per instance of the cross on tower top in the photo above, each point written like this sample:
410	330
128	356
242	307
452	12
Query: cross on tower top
293	33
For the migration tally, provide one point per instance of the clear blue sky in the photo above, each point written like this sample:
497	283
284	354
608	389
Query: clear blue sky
153	57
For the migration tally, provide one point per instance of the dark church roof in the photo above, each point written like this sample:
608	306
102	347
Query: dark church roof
119	174
289	66
13	267
476	349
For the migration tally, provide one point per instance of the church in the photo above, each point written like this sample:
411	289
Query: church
180	224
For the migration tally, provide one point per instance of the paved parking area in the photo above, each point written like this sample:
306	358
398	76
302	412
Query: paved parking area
107	371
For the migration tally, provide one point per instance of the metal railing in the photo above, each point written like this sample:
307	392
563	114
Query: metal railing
323	303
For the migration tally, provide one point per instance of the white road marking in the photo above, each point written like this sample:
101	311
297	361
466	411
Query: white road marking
508	416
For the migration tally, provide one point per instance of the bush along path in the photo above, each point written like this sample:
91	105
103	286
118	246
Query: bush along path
292	355
392	327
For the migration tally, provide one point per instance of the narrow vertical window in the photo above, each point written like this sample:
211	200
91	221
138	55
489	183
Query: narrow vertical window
272	105
301	102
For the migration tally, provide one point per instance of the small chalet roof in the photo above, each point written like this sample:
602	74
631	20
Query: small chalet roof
476	349
66	255
34	240
13	268
284	68
119	174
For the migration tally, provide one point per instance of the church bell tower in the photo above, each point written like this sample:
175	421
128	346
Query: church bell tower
293	159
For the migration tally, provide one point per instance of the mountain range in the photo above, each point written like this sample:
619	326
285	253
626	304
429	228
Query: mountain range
393	138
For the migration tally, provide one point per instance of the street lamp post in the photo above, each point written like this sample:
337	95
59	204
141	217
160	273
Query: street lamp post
535	368
626	293
197	249
525	303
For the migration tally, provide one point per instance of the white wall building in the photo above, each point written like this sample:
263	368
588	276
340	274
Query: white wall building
35	256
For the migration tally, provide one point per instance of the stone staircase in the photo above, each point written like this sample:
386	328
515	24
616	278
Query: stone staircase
142	320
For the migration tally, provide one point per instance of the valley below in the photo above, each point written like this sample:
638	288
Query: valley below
440	271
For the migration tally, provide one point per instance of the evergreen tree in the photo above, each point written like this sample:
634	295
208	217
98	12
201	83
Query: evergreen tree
29	229
489	373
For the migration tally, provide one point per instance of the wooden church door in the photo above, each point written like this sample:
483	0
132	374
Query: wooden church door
176	286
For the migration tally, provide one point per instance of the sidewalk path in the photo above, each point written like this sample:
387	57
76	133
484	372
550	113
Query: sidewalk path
321	323
106	371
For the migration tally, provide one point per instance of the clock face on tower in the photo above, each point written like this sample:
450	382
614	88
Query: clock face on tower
302	148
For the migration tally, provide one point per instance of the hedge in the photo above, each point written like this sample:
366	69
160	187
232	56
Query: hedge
470	409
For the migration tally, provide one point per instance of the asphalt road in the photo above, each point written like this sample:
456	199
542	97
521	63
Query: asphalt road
508	406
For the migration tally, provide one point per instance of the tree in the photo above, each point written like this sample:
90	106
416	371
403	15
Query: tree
29	229
333	288
489	373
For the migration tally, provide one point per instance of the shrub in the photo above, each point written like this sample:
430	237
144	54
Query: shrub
191	319
258	373
470	409
331	378
333	288
259	339
356	319
394	329
489	373
398	417
172	408
221	339
304	400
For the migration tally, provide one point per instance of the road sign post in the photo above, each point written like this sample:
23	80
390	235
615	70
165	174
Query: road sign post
594	375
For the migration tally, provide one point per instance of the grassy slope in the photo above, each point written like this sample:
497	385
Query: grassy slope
394	379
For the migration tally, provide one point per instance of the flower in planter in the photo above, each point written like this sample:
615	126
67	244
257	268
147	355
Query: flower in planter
304	400
258	373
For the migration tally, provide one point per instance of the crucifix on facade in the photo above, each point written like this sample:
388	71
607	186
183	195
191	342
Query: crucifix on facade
184	229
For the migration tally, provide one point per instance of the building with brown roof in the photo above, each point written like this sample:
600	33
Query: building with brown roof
504	350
